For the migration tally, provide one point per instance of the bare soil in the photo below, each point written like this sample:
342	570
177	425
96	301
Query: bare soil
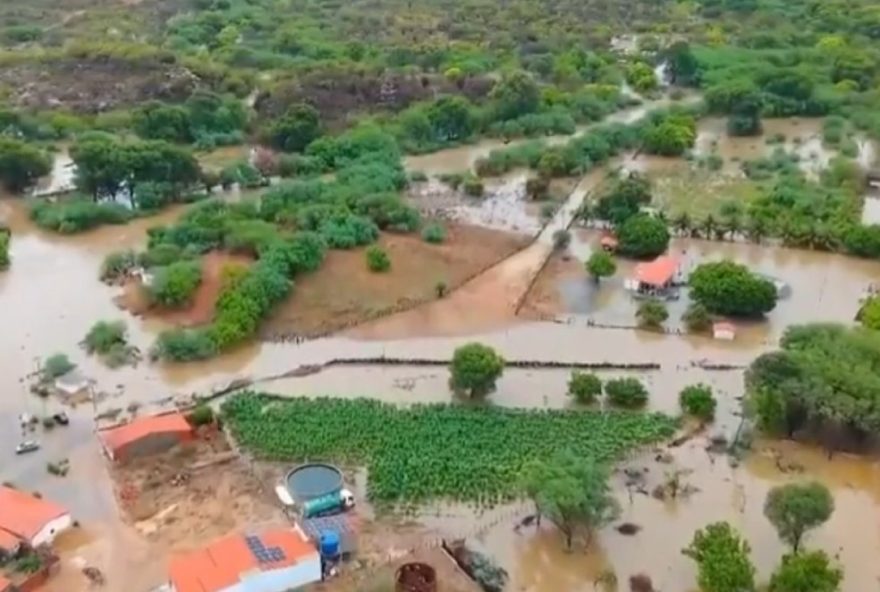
192	494
343	292
94	85
544	299
201	311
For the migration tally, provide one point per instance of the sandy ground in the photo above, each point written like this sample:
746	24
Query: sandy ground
201	311
544	300
192	494
343	292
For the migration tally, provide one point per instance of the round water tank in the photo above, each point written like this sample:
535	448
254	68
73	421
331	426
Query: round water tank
416	577
330	544
312	480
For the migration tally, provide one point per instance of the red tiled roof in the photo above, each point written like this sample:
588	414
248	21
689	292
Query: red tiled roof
8	542
121	436
658	272
24	515
222	563
609	241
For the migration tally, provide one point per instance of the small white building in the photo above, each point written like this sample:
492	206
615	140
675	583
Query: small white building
31	520
276	560
724	331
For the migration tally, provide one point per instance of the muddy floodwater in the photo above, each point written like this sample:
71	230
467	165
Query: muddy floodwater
50	296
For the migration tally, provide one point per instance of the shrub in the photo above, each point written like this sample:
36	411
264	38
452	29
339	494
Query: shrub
184	345
473	186
697	400
584	387
561	239
57	365
600	264
696	318
440	289
377	259
117	264
161	255
651	314
434	233
418	177
626	392
475	368
174	285
104	335
201	415
4	249
69	217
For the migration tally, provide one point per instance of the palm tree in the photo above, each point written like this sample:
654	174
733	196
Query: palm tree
585	213
708	226
756	230
733	226
682	224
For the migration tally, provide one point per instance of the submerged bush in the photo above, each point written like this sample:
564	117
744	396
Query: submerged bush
72	216
377	259
104	335
174	285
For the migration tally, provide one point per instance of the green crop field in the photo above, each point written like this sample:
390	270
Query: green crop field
413	454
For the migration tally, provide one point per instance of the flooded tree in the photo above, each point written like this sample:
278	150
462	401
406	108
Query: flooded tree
571	492
722	559
584	387
21	164
474	369
696	318
643	237
697	400
729	288
795	508
651	314
600	265
626	392
806	572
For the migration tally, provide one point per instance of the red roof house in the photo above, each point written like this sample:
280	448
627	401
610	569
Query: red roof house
274	561
29	519
145	435
658	273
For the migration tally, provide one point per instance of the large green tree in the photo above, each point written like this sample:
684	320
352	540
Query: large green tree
806	572
474	369
296	129
722	559
642	237
600	264
795	508
515	95
729	288
21	164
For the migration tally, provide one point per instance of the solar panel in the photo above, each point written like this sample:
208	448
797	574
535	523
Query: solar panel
263	553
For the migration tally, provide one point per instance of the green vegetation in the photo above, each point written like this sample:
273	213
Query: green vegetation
806	572
642	237
722	559
561	239
174	285
56	365
584	387
117	264
697	400
696	318
109	340
377	259
795	508
474	369
822	383
434	233
600	264
728	288
78	215
651	314
201	415
571	492
424	452
869	315
626	392
21	164
5	239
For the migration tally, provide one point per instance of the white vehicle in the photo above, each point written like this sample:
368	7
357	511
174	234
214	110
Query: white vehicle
27	446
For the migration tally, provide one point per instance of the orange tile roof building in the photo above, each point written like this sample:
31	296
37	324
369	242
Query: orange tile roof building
273	561
29	519
655	276
145	435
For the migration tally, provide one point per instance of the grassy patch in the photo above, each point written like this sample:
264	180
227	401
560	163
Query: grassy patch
413	454
700	193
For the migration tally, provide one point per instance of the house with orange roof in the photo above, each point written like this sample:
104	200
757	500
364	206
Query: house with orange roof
276	560
655	277
145	435
29	519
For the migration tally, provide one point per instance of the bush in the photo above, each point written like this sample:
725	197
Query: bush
697	400
72	216
642	237
174	285
377	259
651	314
696	318
201	415
561	239
117	264
161	255
473	186
184	345
600	264
729	288
57	365
4	249
434	233
104	335
626	392
474	369
584	387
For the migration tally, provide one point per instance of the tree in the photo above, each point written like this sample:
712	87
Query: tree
56	365
697	400
729	288
571	492
434	233
174	285
475	368
377	259
624	199
642	237
601	264
516	94
561	239
538	188
795	508
683	66
670	136
626	392
451	119
869	315
696	318
722	559
298	128
104	336
21	164
806	572
651	314
4	249
682	224
158	121
584	386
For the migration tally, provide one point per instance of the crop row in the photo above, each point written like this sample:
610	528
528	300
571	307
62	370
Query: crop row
413	454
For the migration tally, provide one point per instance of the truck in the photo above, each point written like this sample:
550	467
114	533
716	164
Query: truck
332	503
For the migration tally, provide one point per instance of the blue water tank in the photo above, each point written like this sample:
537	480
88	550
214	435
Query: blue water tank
330	544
